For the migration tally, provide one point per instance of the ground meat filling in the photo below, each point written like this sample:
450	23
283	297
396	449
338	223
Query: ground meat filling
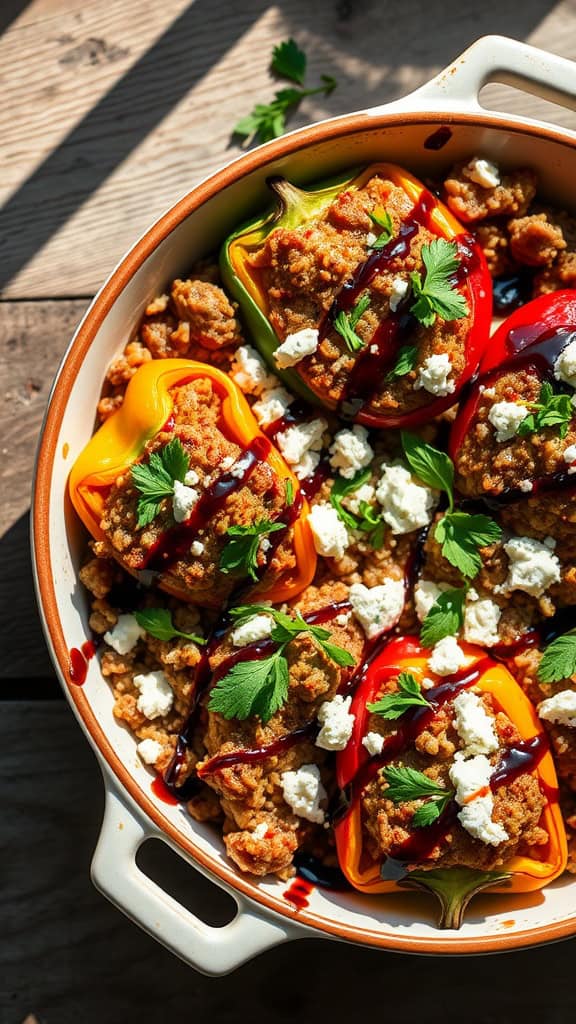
197	576
562	737
304	268
517	807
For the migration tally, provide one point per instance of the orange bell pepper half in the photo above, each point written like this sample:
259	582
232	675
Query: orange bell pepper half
454	886
145	411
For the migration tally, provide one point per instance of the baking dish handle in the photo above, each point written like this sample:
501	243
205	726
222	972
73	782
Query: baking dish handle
213	951
493	59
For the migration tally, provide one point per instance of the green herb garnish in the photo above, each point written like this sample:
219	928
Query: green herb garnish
445	617
394	705
289	492
345	323
241	552
261	687
289	61
460	533
368	521
158	623
382	219
437	295
552	410
155	479
405	784
559	659
406	361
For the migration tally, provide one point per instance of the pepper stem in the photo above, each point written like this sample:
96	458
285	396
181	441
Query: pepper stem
296	205
454	888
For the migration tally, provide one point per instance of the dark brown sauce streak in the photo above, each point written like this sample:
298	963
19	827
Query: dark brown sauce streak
438	139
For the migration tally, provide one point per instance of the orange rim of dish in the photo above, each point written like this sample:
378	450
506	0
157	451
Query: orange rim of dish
258	159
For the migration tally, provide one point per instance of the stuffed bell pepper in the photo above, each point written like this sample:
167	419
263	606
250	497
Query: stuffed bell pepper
448	781
186	492
365	295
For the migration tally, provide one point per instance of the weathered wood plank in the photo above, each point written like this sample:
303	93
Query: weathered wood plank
68	956
111	111
33	337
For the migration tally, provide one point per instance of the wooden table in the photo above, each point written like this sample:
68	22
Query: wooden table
110	111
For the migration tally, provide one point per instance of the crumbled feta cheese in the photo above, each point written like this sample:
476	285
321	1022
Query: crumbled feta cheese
427	684
227	463
371	238
506	417
329	533
265	545
399	291
373	742
532	566
125	634
433	375
156	696
483	173
196	547
377	608
569	456
260	830
250	373
256	628
184	500
301	438
447	657
526	486
481	618
307	465
191	478
565	365
149	751
271	406
350	451
561	708
474	726
343	619
296	347
366	492
303	791
337	723
472	781
426	593
406	505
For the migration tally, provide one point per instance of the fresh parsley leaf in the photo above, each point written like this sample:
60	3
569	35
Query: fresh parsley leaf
268	120
382	219
394	705
289	61
406	361
409	784
289	492
345	323
437	295
445	617
461	535
158	623
155	479
559	659
287	628
430	465
429	812
553	410
341	488
241	552
252	688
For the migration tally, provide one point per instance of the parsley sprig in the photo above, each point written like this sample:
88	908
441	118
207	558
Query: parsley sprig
260	687
158	623
460	534
155	479
381	219
445	617
241	552
368	521
437	295
559	659
394	705
268	120
405	784
345	323
552	410
406	361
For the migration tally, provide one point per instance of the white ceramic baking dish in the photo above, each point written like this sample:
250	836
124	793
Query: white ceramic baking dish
197	223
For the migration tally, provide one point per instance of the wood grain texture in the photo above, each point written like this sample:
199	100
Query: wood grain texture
33	337
113	110
69	956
